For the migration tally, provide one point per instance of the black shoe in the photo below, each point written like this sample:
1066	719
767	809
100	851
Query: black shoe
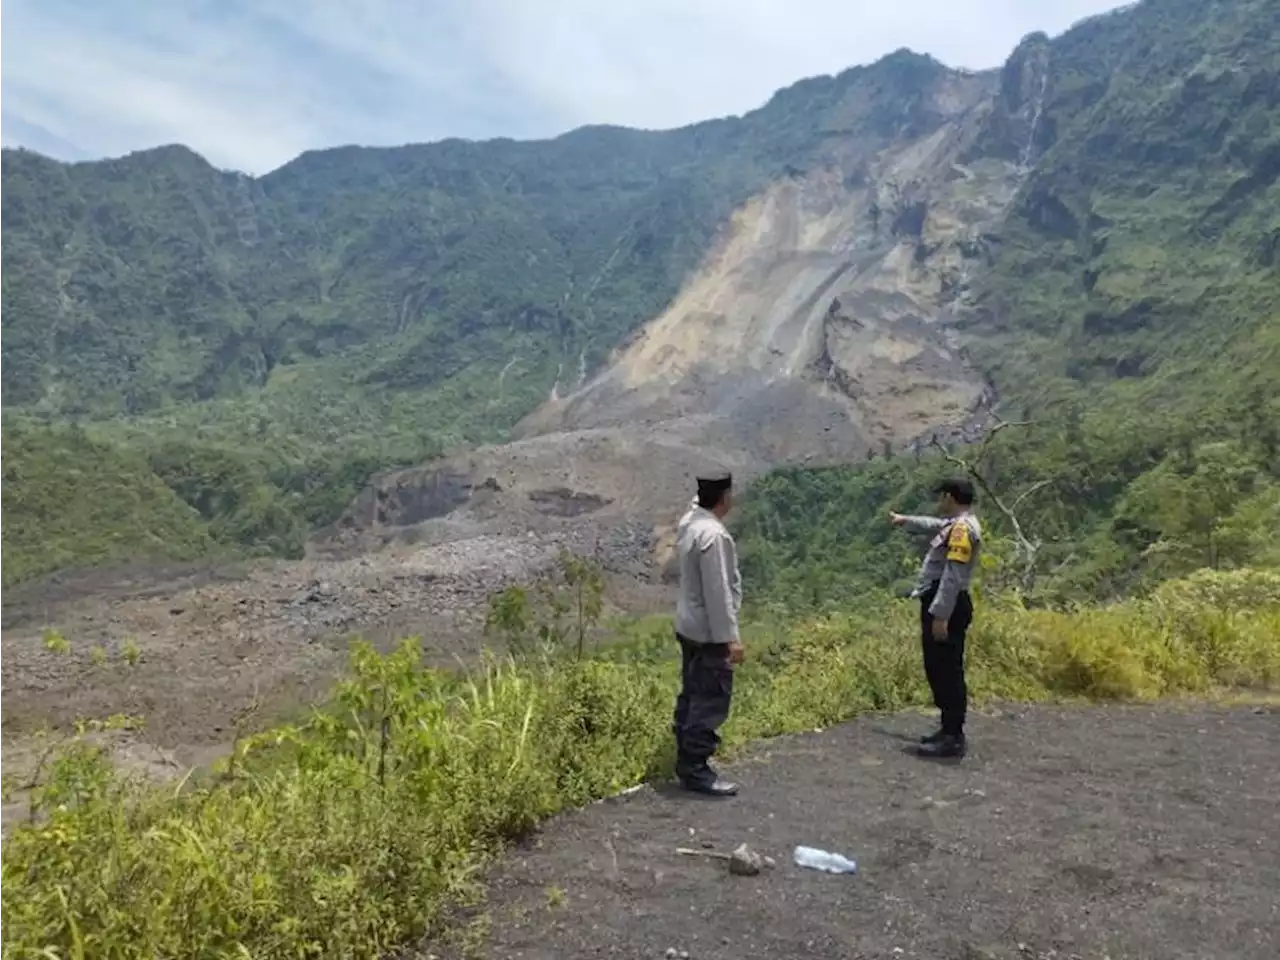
714	787
934	737
947	747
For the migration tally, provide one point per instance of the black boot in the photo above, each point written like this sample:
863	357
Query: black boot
711	786
947	747
934	737
698	777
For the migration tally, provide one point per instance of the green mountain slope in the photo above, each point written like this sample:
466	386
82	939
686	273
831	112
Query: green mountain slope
1132	310
358	308
1147	234
361	308
69	501
155	278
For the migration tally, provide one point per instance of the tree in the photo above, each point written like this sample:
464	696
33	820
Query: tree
1026	549
569	602
511	617
578	590
1184	507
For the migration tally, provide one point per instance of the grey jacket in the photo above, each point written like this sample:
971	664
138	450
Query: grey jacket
710	584
951	560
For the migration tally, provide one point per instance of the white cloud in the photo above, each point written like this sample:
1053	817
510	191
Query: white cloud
250	83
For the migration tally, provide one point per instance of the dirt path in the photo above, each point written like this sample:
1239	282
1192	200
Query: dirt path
1068	832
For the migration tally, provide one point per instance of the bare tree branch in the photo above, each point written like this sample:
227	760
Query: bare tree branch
1028	549
1038	485
999	425
1070	558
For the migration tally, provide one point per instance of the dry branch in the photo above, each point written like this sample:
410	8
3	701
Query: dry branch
1028	549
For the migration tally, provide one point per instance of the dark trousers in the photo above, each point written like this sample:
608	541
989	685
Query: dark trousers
944	661
706	691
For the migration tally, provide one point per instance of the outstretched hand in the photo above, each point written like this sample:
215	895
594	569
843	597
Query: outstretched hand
897	519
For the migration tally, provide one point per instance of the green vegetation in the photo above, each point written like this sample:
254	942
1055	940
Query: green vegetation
366	308
566	604
1119	504
136	283
245	352
70	500
351	833
1132	311
73	499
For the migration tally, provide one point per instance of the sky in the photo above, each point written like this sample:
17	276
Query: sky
250	84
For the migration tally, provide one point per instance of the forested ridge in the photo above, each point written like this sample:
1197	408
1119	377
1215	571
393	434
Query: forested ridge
202	364
1131	316
247	352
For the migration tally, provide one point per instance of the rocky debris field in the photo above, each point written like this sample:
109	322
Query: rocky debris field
196	651
200	653
1068	833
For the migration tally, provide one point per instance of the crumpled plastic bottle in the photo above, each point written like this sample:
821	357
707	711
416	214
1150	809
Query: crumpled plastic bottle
816	859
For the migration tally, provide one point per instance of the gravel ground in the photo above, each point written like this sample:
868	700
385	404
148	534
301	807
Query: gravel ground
1118	832
215	642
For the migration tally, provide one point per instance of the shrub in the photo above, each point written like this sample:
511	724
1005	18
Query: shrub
350	833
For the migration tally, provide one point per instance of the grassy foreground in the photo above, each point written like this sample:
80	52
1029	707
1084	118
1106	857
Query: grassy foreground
351	834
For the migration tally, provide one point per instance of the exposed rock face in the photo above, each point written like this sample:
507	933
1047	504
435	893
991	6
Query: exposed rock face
819	328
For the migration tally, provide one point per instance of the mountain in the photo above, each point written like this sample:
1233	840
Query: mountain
864	261
156	279
1130	308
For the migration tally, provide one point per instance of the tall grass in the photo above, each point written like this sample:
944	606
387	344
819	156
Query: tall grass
353	832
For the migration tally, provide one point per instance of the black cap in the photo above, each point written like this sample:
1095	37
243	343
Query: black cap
960	489
712	486
715	481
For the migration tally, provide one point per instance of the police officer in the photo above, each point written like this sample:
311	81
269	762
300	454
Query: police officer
707	628
946	609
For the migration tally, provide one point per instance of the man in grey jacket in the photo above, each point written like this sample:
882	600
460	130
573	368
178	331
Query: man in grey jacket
707	628
946	608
